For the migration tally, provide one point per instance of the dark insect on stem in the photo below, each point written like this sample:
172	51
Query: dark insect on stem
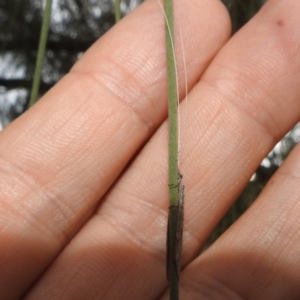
179	229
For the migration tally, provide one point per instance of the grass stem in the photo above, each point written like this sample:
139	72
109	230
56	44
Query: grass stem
117	10
174	233
41	53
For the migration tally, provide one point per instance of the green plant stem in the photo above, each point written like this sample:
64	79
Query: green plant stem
41	53
117	10
172	262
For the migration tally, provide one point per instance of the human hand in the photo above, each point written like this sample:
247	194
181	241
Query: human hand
79	222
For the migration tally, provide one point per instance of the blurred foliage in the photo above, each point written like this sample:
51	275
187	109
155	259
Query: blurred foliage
75	26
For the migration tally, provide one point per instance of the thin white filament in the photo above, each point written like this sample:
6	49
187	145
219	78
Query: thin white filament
176	72
180	143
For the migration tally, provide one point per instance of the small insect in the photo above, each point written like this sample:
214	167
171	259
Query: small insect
179	229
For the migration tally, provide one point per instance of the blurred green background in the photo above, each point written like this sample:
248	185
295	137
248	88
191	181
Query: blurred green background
75	26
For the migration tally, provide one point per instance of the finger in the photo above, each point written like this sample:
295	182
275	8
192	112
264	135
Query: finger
272	38
233	122
59	158
258	257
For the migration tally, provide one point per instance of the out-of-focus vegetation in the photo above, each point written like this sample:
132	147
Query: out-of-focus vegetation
75	26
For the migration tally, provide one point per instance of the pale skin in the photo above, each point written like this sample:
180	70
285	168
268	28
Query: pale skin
75	153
